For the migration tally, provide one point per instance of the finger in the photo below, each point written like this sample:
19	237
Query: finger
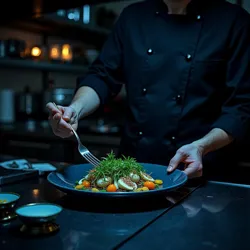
63	125
62	134
54	120
175	161
60	129
52	109
194	170
59	124
68	113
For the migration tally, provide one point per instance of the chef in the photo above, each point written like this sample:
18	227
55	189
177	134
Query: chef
185	67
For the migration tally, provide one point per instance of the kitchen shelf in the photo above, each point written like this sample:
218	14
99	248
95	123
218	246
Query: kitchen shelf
34	8
43	66
56	27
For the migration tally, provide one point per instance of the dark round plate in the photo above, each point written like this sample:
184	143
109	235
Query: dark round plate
76	172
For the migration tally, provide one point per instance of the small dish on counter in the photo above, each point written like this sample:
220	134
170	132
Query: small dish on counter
24	165
39	218
8	202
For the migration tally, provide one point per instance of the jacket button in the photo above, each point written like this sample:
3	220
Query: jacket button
144	91
188	57
150	51
178	99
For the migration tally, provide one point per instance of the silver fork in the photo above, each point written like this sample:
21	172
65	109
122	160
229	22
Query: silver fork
85	152
82	149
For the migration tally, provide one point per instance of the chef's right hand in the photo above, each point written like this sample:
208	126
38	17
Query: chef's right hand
60	118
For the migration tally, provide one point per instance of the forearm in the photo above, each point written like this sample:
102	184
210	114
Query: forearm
85	101
214	140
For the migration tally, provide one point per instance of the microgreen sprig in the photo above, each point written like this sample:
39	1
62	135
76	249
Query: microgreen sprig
115	168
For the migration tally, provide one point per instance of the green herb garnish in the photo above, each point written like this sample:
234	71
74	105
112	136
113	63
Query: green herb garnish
116	168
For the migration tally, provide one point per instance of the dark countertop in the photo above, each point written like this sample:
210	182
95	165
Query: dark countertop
216	216
212	216
84	224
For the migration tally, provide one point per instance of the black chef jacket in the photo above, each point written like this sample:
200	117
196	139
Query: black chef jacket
184	75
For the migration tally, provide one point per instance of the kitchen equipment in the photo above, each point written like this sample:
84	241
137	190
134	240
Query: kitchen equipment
75	172
61	96
91	55
39	218
28	105
7	204
7	106
15	48
102	128
2	48
82	149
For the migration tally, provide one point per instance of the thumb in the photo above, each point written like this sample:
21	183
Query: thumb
68	113
175	161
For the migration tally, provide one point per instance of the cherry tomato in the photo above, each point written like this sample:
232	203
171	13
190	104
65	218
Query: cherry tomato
86	183
149	184
111	188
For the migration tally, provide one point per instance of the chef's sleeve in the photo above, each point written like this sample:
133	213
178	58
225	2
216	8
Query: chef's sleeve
235	112
105	75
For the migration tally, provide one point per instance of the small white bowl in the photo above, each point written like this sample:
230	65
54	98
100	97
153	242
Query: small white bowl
8	200
37	213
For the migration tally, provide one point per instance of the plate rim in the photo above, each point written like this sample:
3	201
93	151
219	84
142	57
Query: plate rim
114	194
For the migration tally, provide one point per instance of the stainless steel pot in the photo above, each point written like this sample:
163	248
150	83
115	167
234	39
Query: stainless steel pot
28	105
61	96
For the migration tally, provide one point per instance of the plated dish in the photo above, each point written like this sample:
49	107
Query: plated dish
69	180
118	175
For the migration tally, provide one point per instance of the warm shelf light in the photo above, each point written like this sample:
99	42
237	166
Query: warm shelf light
36	51
55	52
66	53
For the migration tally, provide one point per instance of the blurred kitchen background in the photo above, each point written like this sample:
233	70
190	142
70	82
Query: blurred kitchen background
41	57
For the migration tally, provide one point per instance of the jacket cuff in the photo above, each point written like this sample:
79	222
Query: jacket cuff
96	84
231	125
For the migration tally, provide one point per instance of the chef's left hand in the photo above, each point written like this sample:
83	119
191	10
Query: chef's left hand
191	156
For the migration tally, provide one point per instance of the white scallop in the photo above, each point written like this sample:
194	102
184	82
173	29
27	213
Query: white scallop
104	182
125	186
146	177
134	177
